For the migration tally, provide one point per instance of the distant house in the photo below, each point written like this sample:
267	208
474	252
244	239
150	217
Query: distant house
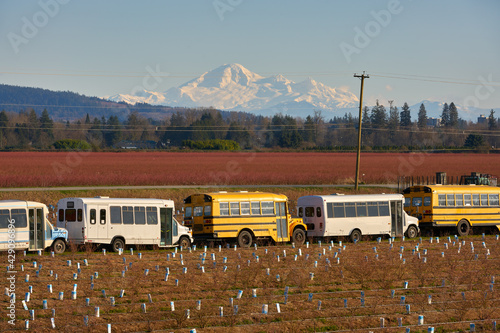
136	145
433	122
482	120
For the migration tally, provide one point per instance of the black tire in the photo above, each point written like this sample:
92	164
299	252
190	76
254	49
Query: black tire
355	236
184	243
299	236
245	239
411	232
117	244
59	246
463	228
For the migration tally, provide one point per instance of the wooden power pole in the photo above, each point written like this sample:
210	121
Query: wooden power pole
362	77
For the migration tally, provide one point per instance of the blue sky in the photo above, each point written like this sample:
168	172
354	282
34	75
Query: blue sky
446	50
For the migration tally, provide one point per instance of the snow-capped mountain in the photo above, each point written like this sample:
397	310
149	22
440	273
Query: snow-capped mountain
233	87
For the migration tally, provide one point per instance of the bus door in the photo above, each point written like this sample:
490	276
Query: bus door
166	221
36	224
97	228
281	222
397	218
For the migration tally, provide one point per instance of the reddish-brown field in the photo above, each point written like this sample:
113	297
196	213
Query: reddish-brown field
360	286
47	169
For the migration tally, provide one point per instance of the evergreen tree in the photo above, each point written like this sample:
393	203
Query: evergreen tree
378	116
405	116
422	117
453	113
112	133
393	118
365	120
46	123
445	115
492	122
87	119
4	122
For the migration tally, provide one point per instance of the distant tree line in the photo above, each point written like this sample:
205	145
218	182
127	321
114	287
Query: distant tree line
383	129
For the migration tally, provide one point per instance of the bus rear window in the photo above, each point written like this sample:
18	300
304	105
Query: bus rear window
198	211
70	215
309	211
188	211
417	202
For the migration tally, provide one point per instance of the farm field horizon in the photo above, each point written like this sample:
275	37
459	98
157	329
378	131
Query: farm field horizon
51	169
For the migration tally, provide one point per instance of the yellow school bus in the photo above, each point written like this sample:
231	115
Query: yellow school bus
242	216
459	208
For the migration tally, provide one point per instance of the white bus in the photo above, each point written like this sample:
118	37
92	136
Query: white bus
356	215
24	226
119	222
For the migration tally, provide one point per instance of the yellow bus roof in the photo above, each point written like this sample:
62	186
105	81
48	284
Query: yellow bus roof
452	189
243	195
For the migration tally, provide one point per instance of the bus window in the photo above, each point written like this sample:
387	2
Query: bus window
467	200
309	211
329	210
450	200
245	208
128	215
361	209
61	215
407	204
267	208
188	211
493	199
115	213
207	211
442	199
93	216
373	208
71	215
198	211
256	208
350	209
4	218
301	212
103	216
383	208
79	215
224	208
459	199
235	208
417	202
484	199
475	199
152	215
140	215
338	209
427	201
318	211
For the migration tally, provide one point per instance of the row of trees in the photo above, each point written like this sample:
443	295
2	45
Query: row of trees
382	129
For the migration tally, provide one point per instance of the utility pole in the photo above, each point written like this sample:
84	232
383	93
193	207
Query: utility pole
362	77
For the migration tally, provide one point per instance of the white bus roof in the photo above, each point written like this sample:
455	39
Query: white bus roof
121	201
19	203
350	198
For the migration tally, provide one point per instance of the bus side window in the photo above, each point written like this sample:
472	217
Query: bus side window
103	216
152	215
493	199
318	211
235	208
467	200
484	199
245	208
4	218
207	211
224	208
459	199
450	200
442	199
255	207
92	216
115	213
475	199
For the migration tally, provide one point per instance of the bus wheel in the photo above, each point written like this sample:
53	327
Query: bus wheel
463	228
59	246
355	236
411	232
118	243
299	236
244	239
185	243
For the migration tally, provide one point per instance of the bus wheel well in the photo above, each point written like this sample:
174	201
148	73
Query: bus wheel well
299	235
463	227
59	245
118	242
355	235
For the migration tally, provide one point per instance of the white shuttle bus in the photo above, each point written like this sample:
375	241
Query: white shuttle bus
119	222
356	215
24	226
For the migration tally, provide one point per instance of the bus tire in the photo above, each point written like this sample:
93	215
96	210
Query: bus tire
117	244
184	243
299	236
59	246
412	232
245	239
355	236
463	227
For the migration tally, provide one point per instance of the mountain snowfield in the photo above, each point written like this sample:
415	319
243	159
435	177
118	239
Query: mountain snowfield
232	87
